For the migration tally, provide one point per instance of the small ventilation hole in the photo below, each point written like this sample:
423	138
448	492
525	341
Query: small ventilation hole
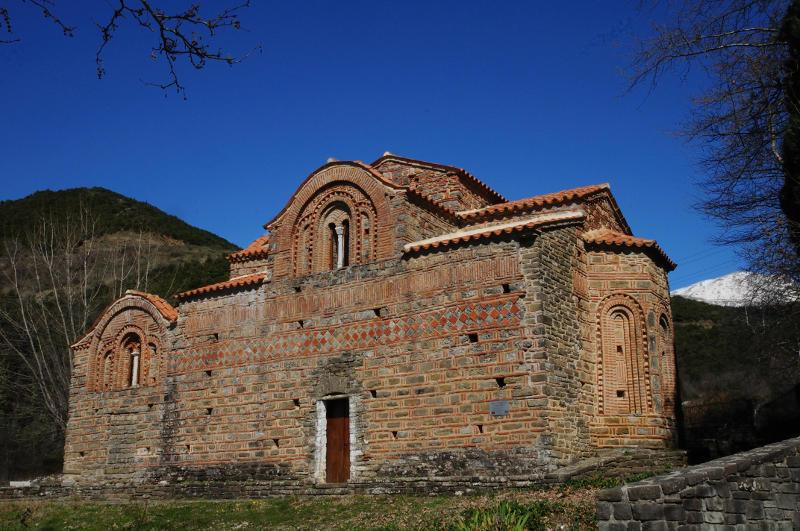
147	449
83	454
277	443
209	410
301	323
215	335
506	288
480	428
297	289
619	348
166	398
620	393
501	382
188	447
373	393
296	402
394	434
208	373
149	406
377	312
473	338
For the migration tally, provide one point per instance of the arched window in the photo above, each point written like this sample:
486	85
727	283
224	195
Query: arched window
335	237
132	349
624	387
336	228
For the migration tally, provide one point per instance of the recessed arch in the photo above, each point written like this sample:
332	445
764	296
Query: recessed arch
125	345
362	189
623	368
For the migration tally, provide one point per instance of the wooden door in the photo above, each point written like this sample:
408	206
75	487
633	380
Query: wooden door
337	454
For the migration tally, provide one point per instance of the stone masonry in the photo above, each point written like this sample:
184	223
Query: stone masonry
757	489
400	322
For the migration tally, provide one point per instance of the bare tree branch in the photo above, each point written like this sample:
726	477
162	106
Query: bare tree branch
181	34
60	277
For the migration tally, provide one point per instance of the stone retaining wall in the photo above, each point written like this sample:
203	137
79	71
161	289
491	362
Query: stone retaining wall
757	489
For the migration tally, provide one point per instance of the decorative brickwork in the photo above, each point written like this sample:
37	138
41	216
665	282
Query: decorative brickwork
378	337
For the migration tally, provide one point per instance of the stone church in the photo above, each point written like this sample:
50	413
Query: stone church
399	323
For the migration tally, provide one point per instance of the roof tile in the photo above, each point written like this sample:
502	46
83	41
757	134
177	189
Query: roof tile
237	282
614	238
257	249
163	307
538	201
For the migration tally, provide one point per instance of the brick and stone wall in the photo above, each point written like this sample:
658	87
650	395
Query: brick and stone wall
757	489
485	358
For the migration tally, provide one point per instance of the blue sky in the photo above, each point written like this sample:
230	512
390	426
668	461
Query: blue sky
528	96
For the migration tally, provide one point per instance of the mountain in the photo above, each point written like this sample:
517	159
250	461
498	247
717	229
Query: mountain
740	288
178	256
113	213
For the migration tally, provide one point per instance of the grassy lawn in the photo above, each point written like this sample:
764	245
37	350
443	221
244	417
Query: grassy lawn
565	507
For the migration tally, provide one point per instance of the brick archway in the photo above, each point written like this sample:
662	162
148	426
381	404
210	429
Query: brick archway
329	180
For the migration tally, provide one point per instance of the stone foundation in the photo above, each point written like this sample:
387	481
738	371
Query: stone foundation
457	476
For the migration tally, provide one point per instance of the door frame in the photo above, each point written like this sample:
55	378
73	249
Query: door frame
321	436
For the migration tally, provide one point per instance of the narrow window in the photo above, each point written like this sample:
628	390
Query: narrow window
135	367
345	243
333	247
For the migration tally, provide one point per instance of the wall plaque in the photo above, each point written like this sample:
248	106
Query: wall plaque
498	408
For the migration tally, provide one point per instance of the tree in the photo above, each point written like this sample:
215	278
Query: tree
739	121
58	277
179	34
790	193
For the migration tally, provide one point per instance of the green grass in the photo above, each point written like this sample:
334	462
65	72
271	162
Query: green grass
562	508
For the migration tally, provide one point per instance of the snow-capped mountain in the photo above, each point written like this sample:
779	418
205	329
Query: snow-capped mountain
740	288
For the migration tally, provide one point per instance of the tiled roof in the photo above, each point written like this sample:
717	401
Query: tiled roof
163	307
538	201
614	238
257	249
464	174
236	282
446	212
493	230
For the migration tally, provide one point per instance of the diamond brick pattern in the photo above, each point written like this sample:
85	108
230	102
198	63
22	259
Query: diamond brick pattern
356	336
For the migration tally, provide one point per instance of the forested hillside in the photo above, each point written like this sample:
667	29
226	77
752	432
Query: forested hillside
739	375
113	213
83	235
